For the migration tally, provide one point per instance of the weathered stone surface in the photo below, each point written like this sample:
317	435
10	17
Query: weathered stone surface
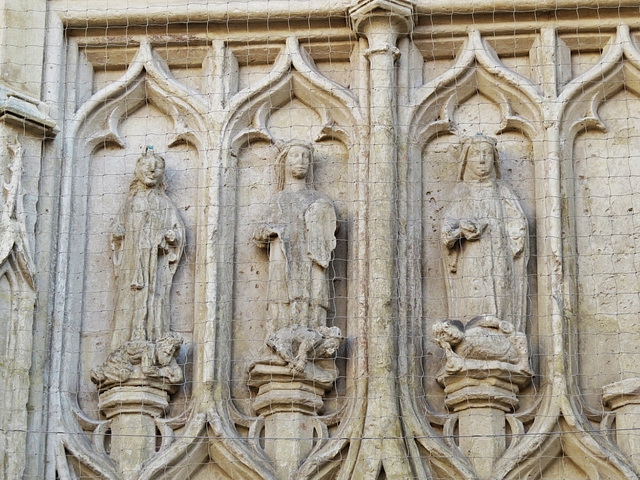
400	308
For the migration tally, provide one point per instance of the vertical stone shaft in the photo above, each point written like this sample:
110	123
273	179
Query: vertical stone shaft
288	440
482	437
382	179
133	441
133	411
382	23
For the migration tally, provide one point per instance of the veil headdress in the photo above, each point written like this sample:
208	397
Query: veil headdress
281	160
467	143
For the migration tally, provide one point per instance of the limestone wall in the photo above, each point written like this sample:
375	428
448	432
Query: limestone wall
397	239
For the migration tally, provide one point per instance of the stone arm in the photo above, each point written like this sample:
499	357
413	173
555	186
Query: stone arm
321	223
264	233
268	229
454	230
117	238
173	238
517	227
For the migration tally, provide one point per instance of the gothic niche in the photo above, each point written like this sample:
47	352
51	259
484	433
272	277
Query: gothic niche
484	235
147	239
297	228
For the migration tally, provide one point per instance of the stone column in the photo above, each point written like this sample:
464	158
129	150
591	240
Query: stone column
24	124
482	397
133	411
289	401
623	398
382	23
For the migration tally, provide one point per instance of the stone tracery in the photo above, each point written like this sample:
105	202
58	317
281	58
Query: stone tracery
384	108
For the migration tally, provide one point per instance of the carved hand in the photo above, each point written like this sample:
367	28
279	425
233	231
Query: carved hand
451	232
472	228
170	237
264	233
118	232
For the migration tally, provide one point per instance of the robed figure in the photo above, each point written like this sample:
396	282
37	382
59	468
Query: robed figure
485	238
298	228
147	239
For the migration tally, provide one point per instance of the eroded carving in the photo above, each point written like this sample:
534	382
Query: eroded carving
141	361
141	371
483	339
298	230
485	239
147	239
298	345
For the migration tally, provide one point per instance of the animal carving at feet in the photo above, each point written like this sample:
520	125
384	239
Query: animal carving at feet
485	338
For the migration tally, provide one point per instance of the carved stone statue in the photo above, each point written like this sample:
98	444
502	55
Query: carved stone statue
141	371
485	238
297	345
290	380
140	361
298	228
148	240
483	339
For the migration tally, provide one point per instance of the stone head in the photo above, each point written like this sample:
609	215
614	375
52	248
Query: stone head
295	161
168	347
449	331
150	170
479	159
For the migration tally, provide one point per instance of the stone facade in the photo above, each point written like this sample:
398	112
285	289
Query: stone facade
289	239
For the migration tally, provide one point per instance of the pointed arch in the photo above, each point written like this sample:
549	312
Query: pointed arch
95	124
293	76
577	112
476	70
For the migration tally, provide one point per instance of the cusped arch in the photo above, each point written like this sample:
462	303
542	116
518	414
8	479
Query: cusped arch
147	80
96	124
293	76
477	70
576	111
618	69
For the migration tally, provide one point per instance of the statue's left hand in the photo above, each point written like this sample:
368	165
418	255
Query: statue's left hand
170	237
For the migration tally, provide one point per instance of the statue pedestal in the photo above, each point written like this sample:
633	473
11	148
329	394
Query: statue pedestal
133	411
134	385
289	401
624	400
481	393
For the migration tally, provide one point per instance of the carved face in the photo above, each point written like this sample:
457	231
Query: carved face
298	162
150	170
480	162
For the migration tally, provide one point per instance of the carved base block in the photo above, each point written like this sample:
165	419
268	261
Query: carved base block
133	411
624	399
289	401
464	392
481	401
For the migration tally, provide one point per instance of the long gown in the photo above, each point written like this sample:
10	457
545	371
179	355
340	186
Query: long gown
487	276
145	264
299	254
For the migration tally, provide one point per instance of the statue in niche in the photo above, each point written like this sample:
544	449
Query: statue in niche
147	240
485	238
298	229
